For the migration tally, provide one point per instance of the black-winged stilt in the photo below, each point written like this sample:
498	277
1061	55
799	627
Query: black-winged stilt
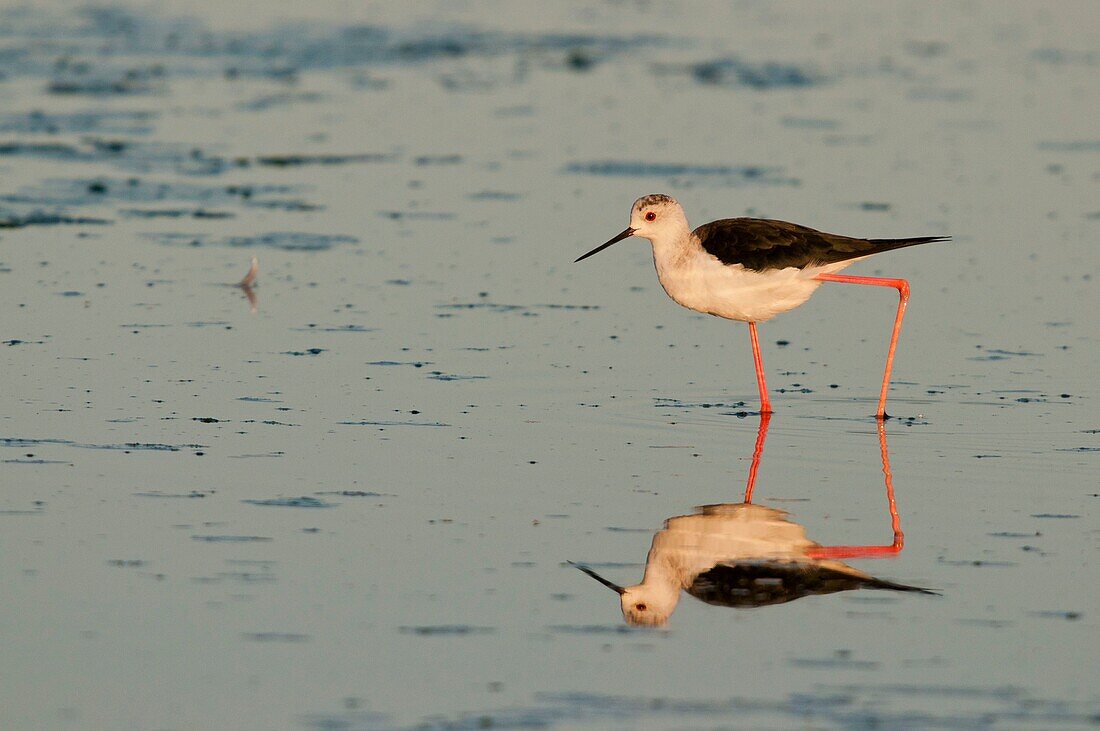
752	269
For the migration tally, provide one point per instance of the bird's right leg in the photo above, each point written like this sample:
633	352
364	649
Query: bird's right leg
765	402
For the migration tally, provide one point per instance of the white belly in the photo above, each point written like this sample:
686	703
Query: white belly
702	283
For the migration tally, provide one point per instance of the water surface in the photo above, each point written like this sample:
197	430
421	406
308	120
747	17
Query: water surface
351	502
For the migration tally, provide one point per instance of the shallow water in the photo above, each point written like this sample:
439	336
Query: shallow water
352	502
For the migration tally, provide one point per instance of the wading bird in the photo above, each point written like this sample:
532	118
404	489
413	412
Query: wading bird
752	269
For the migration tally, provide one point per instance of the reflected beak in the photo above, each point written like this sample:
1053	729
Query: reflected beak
624	235
613	587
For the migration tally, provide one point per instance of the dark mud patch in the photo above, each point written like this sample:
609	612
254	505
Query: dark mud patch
98	191
126	154
1066	57
200	213
125	447
1071	616
418	215
995	354
720	174
839	660
1070	146
393	423
104	122
283	637
810	123
832	705
38	510
494	195
42	218
265	102
281	241
672	403
292	502
335	328
175	495
441	376
302	160
355	493
185	46
525	310
450	630
732	72
346	719
593	629
976	563
413	363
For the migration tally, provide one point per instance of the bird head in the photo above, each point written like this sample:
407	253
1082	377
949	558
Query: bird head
652	217
645	605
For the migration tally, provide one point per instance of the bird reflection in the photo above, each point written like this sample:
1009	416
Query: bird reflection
247	285
745	555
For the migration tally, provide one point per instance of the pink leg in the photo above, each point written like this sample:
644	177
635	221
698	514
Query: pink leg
840	552
758	450
902	287
765	402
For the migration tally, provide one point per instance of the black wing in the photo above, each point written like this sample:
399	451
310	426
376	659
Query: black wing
760	244
759	584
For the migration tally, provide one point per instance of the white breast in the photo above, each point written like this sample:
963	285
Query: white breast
700	282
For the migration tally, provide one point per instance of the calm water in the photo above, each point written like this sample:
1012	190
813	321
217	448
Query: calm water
352	503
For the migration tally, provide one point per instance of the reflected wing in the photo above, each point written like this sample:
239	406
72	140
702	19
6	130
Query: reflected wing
760	244
759	584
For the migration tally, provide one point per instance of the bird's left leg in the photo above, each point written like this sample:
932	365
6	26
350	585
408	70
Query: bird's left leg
761	382
902	287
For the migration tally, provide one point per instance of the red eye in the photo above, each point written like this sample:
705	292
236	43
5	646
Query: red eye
651	216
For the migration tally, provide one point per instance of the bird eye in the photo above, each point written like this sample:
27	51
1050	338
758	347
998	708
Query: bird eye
651	216
640	607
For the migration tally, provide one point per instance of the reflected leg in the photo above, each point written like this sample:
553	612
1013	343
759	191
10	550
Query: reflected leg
895	519
757	452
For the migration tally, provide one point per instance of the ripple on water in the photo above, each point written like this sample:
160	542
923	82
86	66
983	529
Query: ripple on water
291	502
279	240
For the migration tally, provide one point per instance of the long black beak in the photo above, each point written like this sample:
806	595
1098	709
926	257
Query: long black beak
624	235
613	587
